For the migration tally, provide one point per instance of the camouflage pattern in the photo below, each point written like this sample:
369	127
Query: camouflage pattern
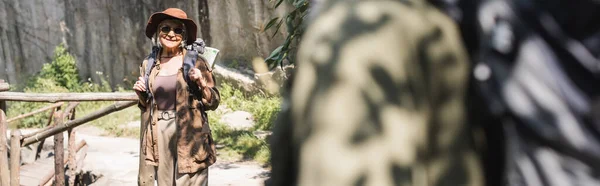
378	98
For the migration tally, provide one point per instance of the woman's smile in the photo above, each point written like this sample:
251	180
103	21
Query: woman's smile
171	34
170	41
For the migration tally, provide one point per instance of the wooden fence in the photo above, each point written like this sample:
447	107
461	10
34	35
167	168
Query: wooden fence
60	121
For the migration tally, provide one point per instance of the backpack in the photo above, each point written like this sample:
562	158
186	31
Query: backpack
189	62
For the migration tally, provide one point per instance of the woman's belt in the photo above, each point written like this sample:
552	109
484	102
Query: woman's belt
165	114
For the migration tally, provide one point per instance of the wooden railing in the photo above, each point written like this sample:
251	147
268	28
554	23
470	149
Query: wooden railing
60	121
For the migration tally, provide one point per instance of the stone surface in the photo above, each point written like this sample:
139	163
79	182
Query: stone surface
131	125
260	134
115	162
238	120
108	36
235	78
248	81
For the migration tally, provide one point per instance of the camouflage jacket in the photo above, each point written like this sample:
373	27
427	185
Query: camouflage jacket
377	98
195	146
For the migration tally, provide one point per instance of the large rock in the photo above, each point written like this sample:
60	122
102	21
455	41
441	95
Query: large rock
248	81
235	78
261	134
238	120
107	36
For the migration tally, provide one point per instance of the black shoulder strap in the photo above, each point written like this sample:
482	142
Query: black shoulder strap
189	62
149	65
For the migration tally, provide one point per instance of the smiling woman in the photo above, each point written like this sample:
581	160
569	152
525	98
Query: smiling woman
171	35
176	143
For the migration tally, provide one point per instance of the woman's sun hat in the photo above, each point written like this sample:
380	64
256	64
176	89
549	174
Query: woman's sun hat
172	13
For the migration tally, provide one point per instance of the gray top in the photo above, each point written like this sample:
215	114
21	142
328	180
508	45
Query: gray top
164	91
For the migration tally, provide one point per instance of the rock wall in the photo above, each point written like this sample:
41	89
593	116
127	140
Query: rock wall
107	36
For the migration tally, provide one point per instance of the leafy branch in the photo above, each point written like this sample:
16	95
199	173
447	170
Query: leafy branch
295	29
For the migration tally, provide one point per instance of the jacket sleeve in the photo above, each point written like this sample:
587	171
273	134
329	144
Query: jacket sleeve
142	97
212	102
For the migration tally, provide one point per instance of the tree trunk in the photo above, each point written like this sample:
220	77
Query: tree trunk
204	22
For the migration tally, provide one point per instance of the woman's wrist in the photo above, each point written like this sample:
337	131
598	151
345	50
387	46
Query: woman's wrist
200	84
207	94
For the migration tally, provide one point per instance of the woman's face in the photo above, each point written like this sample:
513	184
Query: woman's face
171	33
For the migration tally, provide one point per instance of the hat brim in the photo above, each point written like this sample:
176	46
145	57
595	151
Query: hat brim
158	17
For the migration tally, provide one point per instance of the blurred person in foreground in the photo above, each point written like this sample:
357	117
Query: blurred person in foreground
443	93
176	144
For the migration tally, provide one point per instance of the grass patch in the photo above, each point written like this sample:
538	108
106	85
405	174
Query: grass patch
243	142
115	123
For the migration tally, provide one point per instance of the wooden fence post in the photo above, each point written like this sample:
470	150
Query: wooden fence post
15	157
4	174
57	97
71	157
40	146
72	150
3	87
59	166
76	122
35	112
48	178
2	105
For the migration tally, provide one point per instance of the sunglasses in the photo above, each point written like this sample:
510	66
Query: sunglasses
167	29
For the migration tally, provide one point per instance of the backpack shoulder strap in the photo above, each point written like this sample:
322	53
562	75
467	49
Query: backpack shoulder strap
189	62
149	65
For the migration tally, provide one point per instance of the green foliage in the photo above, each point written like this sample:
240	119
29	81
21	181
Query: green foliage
58	76
295	28
263	155
62	69
219	130
18	108
265	112
61	76
235	64
113	123
263	109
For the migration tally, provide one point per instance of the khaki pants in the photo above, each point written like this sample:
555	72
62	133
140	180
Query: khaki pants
166	170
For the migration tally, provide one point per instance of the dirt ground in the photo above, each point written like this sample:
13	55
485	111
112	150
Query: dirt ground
115	161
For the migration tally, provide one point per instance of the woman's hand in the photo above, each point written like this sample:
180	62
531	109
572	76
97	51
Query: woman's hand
140	85
197	77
